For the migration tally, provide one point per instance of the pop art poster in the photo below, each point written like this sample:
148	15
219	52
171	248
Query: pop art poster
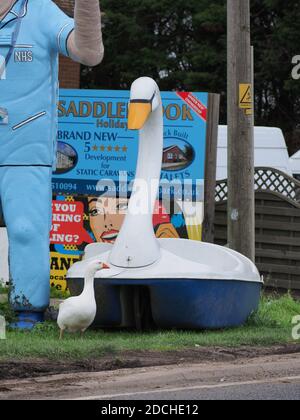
81	220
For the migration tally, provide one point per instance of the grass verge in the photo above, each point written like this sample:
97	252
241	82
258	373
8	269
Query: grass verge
270	325
3	289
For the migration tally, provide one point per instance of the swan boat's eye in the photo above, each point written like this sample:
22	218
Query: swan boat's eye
144	101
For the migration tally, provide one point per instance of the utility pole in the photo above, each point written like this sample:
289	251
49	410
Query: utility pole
241	198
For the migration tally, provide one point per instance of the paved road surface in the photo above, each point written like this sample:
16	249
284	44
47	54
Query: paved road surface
281	390
272	377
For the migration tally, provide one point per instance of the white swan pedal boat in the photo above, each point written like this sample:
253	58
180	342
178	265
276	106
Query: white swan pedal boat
169	283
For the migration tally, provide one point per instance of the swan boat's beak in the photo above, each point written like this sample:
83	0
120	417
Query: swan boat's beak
139	112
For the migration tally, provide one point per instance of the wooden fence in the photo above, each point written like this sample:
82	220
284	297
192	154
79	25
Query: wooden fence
277	208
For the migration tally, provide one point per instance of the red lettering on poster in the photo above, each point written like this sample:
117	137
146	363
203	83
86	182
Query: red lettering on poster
67	224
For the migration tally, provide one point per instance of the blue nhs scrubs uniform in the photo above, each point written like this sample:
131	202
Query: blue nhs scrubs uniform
28	92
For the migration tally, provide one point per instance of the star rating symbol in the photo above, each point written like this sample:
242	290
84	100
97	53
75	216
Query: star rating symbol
110	149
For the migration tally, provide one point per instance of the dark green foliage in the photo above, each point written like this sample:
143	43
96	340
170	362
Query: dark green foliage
183	46
275	34
7	312
180	44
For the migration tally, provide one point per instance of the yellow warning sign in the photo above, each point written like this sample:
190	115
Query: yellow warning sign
246	99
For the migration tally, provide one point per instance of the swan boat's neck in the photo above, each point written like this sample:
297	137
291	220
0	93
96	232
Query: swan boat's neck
136	245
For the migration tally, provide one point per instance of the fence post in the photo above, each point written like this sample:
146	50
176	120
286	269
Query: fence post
211	167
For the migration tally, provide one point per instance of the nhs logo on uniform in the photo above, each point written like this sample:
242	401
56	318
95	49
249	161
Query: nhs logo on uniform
23	56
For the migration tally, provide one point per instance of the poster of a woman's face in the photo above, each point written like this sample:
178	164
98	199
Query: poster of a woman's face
106	217
107	214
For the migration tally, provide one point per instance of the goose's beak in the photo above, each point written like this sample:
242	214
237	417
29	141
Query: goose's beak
105	266
138	115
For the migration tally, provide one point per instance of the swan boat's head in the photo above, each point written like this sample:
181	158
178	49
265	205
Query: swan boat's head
144	100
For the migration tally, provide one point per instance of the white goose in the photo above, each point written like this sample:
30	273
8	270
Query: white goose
77	314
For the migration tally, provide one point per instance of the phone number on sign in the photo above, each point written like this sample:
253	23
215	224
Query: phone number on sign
63	186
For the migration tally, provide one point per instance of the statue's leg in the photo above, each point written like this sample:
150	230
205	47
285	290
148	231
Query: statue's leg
26	201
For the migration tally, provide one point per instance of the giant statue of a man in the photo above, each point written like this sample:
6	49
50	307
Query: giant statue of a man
32	34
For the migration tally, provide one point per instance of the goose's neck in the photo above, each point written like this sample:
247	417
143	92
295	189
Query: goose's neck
136	245
88	289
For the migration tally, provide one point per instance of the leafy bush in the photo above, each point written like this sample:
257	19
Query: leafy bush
7	312
275	311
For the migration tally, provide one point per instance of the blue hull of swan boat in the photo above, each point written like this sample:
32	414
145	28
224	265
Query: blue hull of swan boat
178	303
193	285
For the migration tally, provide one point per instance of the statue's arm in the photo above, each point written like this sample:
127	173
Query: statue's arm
85	43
